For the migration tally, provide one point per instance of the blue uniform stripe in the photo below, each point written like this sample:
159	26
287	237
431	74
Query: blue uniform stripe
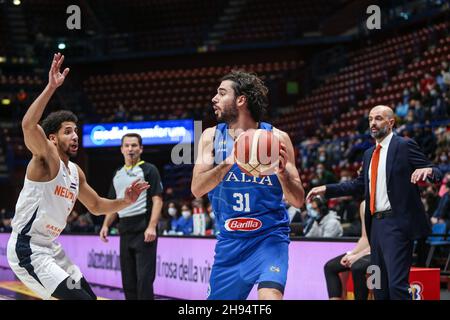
23	249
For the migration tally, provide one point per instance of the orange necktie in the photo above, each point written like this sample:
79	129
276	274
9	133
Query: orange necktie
373	177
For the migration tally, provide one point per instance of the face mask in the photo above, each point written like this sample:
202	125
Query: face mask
343	179
319	171
443	158
322	158
212	215
172	212
186	214
313	213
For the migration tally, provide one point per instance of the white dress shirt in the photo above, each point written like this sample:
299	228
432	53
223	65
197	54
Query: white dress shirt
381	197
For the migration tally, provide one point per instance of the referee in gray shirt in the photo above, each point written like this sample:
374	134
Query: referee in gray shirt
138	222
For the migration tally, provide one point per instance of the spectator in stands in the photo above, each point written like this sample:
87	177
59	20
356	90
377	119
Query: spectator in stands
83	224
322	157
414	93
211	223
185	223
428	142
443	188
169	195
170	214
427	83
325	222
419	112
410	117
324	176
6	217
357	261
362	127
401	110
443	162
121	113
430	199
71	220
438	107
445	75
442	213
443	140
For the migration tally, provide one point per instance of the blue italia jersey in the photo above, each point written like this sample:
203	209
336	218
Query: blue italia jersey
246	206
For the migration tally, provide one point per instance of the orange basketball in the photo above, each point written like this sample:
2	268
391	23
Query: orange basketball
257	152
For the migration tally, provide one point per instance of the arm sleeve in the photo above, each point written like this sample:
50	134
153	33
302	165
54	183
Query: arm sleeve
154	180
112	191
350	188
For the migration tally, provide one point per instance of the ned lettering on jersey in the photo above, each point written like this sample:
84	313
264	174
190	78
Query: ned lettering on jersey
252	246
51	187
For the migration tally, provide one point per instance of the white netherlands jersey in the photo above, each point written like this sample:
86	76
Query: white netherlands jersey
43	207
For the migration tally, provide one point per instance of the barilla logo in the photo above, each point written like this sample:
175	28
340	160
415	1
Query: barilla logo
243	224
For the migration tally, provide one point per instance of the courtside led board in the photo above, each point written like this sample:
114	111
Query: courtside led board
96	135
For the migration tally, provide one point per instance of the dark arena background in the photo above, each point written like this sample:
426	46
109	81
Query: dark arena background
146	64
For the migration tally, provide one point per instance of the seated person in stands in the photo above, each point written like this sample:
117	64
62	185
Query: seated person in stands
6	217
442	213
357	261
297	219
185	223
169	217
83	224
210	221
321	221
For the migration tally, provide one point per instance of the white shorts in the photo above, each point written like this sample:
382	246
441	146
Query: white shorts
41	267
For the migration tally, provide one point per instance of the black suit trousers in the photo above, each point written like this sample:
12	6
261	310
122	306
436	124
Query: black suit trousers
391	251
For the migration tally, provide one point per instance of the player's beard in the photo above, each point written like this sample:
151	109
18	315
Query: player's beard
229	114
70	154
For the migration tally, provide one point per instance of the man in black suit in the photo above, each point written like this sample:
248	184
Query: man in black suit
395	216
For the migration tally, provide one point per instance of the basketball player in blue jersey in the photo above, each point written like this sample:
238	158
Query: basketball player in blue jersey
252	246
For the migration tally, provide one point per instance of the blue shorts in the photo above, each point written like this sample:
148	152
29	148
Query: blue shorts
241	263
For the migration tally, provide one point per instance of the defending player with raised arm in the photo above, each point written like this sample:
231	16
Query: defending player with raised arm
52	185
52	144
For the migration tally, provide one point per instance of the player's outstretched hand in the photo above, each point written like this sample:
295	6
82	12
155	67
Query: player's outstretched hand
55	77
134	190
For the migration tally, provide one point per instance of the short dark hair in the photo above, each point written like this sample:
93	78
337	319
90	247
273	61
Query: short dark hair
253	88
132	135
52	123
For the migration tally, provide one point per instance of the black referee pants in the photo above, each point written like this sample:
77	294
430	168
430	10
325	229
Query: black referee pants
138	264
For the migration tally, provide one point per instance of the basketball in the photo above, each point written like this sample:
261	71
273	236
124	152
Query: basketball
257	152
